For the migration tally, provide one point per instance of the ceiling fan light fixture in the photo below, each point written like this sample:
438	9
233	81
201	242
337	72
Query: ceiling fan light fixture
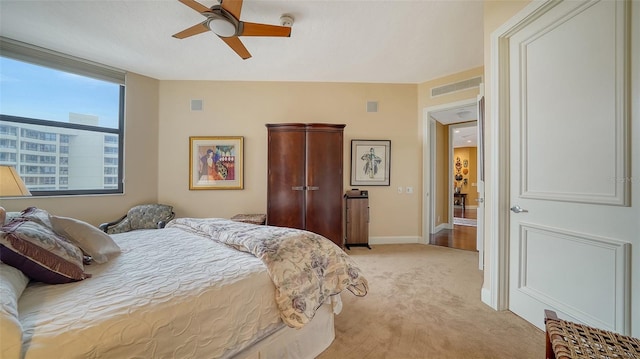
221	27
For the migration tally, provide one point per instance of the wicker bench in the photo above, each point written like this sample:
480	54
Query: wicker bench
568	340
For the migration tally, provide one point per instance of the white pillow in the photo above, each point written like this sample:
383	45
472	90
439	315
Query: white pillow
12	284
90	239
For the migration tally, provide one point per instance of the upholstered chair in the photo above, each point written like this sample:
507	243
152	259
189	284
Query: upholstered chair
144	216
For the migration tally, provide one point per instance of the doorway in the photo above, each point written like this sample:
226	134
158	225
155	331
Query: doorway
463	173
453	135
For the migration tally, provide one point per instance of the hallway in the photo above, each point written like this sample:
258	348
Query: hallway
461	236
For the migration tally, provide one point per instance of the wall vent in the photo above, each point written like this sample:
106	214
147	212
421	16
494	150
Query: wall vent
456	86
372	106
196	105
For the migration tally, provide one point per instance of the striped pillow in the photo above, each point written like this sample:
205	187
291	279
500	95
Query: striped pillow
40	253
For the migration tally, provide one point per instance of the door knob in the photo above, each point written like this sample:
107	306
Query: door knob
518	209
480	200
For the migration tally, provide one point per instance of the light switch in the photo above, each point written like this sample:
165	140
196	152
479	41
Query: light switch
409	190
400	189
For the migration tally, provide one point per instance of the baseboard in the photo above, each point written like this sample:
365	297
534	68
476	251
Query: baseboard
441	227
394	240
485	297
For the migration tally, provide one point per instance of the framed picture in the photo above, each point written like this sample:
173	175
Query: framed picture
216	162
370	162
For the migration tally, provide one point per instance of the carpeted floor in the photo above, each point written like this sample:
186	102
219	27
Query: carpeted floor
424	302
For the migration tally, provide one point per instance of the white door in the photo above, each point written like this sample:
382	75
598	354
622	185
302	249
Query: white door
571	223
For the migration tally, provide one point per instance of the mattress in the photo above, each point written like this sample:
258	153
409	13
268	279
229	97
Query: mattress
169	294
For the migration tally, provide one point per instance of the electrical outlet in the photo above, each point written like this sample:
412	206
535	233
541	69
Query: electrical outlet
409	190
400	190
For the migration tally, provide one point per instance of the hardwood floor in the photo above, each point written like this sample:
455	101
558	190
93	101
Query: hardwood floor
460	237
468	213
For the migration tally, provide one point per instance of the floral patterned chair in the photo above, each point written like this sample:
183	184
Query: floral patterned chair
144	216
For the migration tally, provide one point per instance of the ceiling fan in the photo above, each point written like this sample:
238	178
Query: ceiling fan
224	21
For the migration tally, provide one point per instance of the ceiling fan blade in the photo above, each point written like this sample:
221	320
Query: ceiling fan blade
253	29
195	6
237	46
193	30
232	6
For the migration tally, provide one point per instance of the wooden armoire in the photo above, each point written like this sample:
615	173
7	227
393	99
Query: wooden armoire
304	186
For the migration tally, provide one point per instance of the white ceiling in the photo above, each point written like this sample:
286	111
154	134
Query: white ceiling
392	41
456	114
463	135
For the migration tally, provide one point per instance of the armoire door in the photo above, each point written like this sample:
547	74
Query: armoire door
324	214
304	188
286	176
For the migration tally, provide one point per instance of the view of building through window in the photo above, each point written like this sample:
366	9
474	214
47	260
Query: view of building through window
61	131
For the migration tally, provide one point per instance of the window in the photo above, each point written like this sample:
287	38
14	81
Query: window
8	130
110	150
59	116
110	171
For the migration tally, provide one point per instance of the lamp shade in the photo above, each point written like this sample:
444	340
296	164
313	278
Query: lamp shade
11	184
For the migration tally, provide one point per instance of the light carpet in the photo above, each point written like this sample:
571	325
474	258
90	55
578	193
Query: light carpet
424	302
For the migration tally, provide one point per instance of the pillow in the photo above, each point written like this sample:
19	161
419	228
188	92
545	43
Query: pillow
90	239
36	215
12	284
40	253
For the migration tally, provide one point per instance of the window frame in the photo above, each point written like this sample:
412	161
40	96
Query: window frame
47	58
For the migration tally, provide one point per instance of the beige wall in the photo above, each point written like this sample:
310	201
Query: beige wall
424	89
243	109
141	163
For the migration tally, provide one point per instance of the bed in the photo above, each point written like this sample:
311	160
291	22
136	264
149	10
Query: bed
199	288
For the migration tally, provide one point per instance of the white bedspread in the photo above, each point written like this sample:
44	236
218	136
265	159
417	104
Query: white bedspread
306	268
210	301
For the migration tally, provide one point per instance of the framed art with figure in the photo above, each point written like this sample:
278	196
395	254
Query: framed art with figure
370	162
216	162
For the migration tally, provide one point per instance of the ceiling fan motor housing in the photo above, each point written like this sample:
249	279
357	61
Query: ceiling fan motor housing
222	23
